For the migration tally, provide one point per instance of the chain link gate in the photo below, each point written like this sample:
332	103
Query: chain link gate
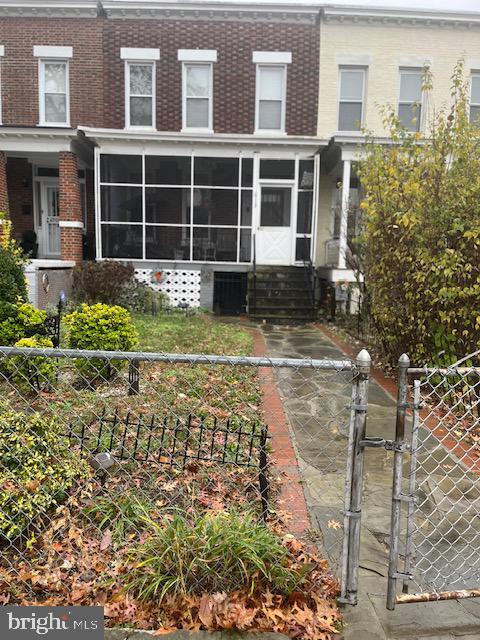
139	418
435	525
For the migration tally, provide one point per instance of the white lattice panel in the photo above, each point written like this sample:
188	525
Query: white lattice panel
181	287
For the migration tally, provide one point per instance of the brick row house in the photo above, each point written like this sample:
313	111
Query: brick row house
202	141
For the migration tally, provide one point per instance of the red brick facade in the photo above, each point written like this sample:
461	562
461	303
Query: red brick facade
20	193
19	67
71	238
233	73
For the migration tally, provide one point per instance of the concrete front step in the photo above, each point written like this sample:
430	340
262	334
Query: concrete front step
280	319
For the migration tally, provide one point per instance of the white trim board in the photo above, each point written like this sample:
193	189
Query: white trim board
128	53
272	57
197	55
41	51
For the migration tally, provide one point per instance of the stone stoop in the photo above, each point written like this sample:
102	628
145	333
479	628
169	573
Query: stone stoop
282	296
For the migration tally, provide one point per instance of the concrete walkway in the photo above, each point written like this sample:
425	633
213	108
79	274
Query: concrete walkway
316	405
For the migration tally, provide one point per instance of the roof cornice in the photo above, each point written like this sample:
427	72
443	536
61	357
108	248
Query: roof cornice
403	17
49	8
218	11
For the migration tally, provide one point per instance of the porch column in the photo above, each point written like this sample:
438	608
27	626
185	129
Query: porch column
3	184
342	244
70	209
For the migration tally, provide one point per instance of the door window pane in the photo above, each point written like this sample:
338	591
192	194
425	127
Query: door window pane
305	174
302	249
167	170
121	204
304	212
350	116
275	207
245	245
215	206
122	241
216	172
167	243
219	245
277	169
168	206
117	168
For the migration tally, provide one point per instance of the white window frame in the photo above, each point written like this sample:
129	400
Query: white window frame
411	71
197	63
281	130
41	86
474	74
361	69
143	63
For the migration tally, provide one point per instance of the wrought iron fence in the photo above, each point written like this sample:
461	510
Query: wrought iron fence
94	443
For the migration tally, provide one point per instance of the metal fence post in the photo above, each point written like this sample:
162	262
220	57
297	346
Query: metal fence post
402	405
354	480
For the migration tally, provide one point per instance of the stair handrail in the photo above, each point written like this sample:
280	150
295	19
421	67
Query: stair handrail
310	274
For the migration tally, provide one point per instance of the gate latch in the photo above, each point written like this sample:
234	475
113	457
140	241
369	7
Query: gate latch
376	442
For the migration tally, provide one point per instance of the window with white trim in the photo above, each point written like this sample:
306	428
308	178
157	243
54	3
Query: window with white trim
270	97
410	98
197	96
475	98
140	94
54	92
351	98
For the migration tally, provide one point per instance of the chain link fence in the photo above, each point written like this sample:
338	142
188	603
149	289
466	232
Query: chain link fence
96	448
440	492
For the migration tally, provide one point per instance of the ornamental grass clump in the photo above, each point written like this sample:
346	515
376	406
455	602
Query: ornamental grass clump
214	552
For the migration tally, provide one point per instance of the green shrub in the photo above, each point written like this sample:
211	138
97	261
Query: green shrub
100	327
421	240
101	281
37	372
139	297
12	283
37	468
23	321
216	552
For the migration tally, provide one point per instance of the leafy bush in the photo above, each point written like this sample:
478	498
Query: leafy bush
421	242
37	468
122	514
101	281
33	372
100	327
12	283
139	297
217	552
23	321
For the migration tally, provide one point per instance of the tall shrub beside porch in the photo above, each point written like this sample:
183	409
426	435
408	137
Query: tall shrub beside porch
421	240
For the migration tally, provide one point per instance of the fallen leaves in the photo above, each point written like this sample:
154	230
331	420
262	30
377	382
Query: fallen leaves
106	540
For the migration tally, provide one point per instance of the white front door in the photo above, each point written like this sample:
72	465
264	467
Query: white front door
49	217
274	235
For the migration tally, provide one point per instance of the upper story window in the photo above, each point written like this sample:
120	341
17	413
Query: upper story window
351	98
410	99
54	84
197	88
271	90
140	87
475	99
